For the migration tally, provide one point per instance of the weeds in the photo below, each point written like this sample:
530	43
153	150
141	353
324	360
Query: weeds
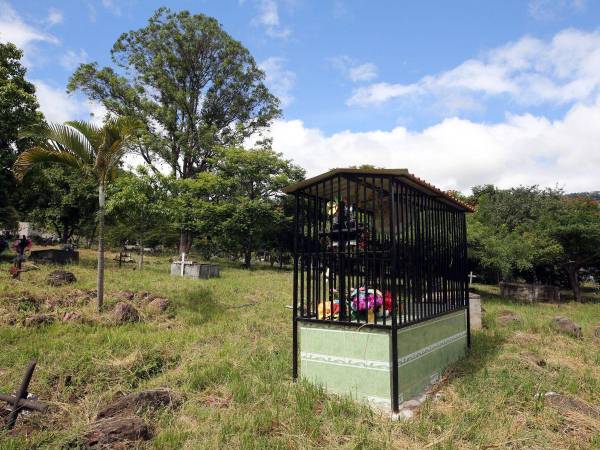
233	366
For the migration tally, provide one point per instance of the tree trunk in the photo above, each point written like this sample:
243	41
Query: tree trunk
185	241
247	258
65	235
100	284
574	280
141	262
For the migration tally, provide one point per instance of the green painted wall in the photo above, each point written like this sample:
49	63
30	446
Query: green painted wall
346	360
426	349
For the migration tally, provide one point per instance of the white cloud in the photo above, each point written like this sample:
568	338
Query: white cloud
58	106
354	70
71	59
279	80
341	10
378	93
24	36
54	17
268	17
552	9
113	6
530	71
363	72
458	154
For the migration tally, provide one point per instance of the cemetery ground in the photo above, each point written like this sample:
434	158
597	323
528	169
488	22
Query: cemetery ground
223	347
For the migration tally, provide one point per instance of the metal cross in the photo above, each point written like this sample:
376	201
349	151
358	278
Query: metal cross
19	401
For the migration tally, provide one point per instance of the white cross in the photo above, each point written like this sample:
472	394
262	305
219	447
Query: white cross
471	276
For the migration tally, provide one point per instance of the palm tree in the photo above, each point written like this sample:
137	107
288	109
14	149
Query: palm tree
92	150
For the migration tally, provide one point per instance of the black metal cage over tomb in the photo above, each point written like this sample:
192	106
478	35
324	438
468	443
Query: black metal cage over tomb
376	248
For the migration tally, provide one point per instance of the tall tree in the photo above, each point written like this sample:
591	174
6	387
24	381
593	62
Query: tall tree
59	199
193	86
576	227
18	109
504	235
135	201
93	151
251	182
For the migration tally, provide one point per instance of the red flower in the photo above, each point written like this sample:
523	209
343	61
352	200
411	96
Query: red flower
387	302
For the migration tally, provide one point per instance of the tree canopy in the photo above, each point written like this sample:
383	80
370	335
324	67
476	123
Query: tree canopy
192	85
534	234
18	110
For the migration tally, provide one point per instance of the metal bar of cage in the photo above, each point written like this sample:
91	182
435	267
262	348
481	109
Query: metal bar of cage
389	236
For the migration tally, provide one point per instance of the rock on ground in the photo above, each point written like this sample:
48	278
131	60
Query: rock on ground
506	316
159	304
60	277
567	326
597	332
141	401
38	319
108	433
125	312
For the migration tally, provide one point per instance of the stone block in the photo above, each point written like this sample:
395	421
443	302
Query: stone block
475	311
530	292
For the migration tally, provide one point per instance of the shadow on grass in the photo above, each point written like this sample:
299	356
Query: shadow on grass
484	347
199	306
7	258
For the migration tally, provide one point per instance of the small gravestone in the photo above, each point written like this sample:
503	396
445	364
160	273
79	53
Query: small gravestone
55	256
530	292
597	332
61	277
194	270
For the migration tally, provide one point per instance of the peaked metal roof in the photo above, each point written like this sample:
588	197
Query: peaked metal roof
409	178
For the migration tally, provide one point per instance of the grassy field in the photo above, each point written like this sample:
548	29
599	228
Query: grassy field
225	345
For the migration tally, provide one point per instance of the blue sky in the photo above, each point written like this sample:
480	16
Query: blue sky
461	93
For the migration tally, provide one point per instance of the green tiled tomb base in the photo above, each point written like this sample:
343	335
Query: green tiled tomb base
346	360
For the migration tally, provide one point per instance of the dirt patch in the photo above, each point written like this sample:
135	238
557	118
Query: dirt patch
136	296
567	404
71	316
125	312
117	432
567	326
506	317
38	319
70	299
61	277
533	359
141	402
217	401
159	304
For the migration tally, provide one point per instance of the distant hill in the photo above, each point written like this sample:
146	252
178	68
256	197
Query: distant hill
594	194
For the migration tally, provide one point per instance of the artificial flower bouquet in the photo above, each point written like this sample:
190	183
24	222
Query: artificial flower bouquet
364	304
367	303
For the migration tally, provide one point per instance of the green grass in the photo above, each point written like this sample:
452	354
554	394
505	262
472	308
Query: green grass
232	366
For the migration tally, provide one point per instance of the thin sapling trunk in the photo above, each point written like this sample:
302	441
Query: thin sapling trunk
100	284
